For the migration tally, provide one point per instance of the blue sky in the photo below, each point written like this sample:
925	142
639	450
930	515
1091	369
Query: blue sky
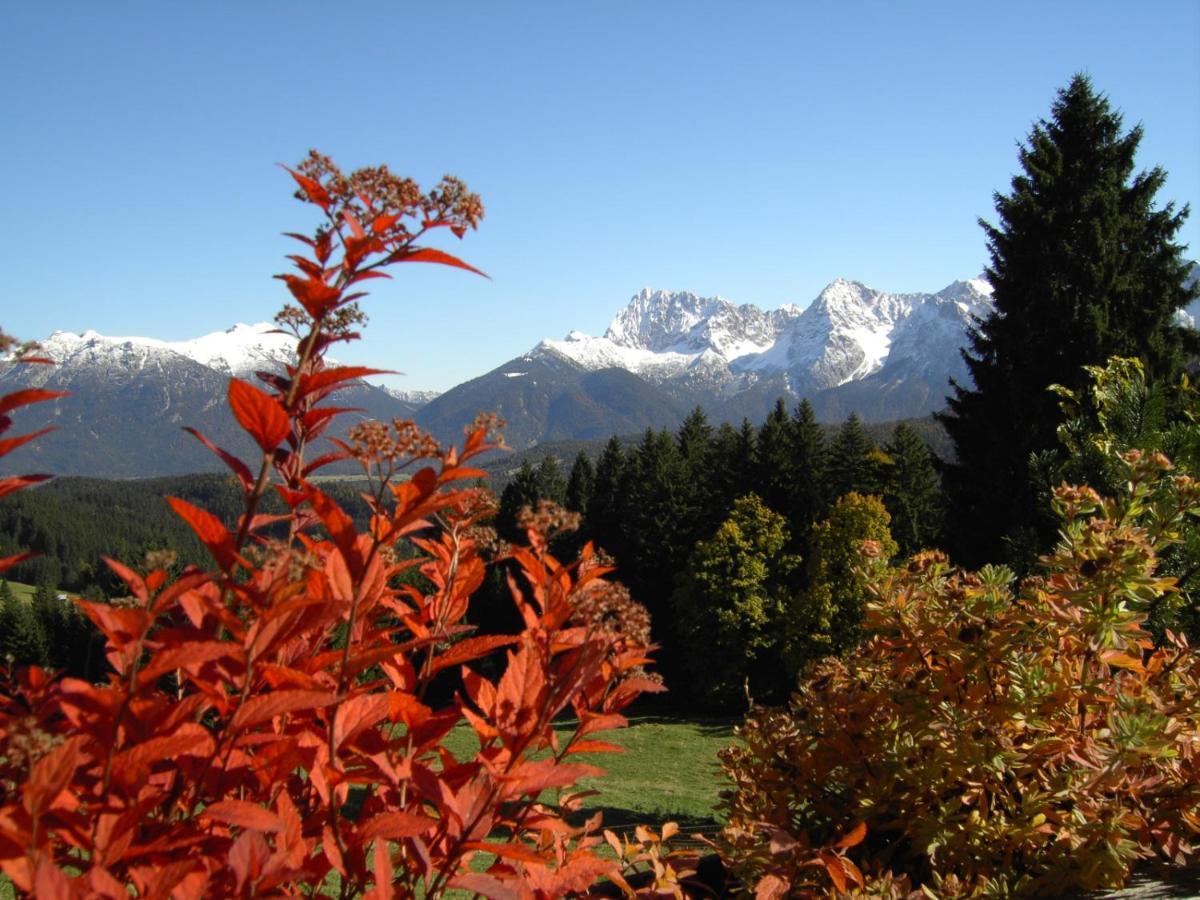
754	150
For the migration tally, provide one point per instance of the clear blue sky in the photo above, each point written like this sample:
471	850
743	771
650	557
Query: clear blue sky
754	150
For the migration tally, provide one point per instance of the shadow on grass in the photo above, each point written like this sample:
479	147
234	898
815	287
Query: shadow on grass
708	726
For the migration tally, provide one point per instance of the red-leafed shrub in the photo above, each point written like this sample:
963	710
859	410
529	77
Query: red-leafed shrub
268	725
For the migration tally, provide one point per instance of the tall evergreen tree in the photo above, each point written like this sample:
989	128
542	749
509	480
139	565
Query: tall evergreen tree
727	468
809	460
695	440
1083	267
523	490
602	520
852	464
774	459
912	491
550	482
580	483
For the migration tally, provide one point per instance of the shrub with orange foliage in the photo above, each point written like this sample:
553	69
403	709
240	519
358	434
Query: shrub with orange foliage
267	727
991	740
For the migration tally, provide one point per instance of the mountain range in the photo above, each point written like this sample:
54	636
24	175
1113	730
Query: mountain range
130	398
886	356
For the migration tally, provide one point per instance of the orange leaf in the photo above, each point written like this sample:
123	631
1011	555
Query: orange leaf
356	714
312	189
16	559
239	468
853	838
258	413
470	649
212	533
26	397
244	815
19	482
430	255
833	866
394	826
507	851
268	706
484	885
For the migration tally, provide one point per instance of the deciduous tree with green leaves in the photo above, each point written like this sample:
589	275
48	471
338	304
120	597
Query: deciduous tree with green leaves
733	604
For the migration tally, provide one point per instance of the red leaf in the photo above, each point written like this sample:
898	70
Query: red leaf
384	222
853	838
258	413
430	255
26	397
239	468
312	189
16	559
507	851
595	747
19	482
357	714
192	653
394	826
264	708
534	777
314	295
10	444
329	377
484	885
50	882
212	533
244	815
339	525
471	648
190	739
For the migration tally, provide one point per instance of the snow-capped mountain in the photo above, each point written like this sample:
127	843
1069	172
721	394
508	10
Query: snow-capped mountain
130	398
886	356
240	352
414	398
849	333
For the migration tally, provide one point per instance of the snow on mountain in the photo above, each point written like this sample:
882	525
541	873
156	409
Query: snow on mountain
848	333
240	351
415	398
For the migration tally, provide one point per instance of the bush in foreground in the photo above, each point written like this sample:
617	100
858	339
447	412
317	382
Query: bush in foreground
268	726
986	738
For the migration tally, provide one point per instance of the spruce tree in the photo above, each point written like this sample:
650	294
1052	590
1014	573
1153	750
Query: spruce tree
773	463
580	483
809	460
852	464
602	521
1083	267
550	482
522	491
912	491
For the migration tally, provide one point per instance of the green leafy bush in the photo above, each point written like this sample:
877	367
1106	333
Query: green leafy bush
991	738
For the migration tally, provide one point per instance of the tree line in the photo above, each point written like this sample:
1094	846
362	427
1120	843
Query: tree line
710	523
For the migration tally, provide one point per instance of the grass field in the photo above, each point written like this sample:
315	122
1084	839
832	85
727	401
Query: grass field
668	773
22	591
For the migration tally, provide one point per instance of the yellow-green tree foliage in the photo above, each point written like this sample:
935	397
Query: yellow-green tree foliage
829	612
994	740
733	603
